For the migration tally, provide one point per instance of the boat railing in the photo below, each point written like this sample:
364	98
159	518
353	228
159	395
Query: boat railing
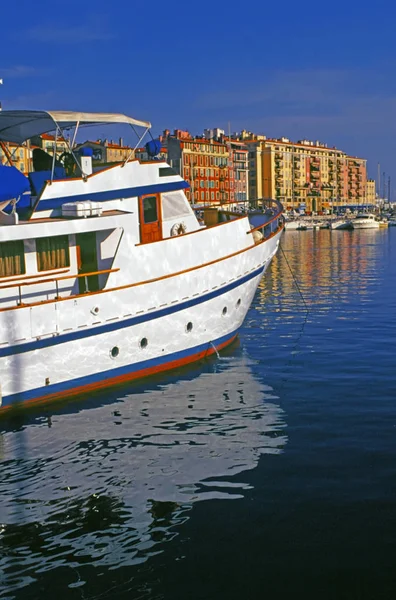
265	216
21	284
268	221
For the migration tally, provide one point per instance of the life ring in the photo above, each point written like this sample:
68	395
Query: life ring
178	229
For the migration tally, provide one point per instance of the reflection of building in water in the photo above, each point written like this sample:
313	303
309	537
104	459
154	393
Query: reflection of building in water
112	481
324	263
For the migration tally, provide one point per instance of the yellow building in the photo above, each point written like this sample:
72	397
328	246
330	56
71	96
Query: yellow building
20	156
370	191
105	152
304	174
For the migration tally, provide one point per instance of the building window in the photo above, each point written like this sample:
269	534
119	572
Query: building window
53	253
202	195
12	259
212	195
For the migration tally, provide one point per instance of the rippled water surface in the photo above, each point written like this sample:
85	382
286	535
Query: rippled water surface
270	473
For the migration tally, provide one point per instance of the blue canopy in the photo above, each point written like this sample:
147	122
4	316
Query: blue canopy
13	183
153	147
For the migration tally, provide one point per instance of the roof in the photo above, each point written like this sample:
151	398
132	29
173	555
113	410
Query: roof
20	125
47	136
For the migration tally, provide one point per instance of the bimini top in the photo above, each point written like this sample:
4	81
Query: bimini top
21	125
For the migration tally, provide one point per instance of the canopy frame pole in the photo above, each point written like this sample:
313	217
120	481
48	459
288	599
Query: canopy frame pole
7	153
70	146
75	134
54	154
137	145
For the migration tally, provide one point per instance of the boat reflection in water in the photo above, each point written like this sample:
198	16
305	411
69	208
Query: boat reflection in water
107	485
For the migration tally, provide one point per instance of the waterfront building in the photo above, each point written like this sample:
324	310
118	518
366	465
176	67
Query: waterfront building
142	154
370	191
46	142
20	155
304	174
204	164
105	151
239	169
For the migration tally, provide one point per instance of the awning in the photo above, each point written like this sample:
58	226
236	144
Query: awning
21	125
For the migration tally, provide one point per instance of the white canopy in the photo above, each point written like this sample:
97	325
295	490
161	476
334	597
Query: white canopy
21	125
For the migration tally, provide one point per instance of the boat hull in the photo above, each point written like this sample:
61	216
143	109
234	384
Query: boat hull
342	225
366	225
87	358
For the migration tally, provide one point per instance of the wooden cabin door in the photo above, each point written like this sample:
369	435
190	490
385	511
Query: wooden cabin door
87	261
150	218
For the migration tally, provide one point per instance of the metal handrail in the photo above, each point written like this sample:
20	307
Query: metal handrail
276	218
55	280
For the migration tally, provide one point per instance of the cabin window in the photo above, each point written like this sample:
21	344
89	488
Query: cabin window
53	253
175	205
150	209
12	259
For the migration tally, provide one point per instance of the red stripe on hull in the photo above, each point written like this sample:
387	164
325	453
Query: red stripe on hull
97	386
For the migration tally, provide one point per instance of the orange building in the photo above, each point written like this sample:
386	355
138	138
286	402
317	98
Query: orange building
204	164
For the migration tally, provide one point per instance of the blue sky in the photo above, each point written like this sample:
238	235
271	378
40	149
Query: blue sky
317	70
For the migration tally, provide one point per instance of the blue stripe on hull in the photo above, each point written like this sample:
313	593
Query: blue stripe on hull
132	192
115	326
81	382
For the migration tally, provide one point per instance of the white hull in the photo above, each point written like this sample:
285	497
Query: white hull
343	224
70	343
358	224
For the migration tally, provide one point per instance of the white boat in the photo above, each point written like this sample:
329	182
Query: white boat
292	225
107	275
341	224
298	225
365	221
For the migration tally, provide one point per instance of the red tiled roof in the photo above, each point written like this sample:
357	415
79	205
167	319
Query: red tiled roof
47	136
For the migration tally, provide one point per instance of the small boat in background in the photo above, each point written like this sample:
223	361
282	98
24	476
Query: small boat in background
383	223
365	221
341	224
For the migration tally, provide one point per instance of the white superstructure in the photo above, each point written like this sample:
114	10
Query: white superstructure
110	276
365	221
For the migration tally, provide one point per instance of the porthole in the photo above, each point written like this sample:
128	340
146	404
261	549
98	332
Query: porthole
143	343
224	311
189	327
95	310
238	304
114	352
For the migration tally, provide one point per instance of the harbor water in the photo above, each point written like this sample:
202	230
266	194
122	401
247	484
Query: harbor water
269	473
